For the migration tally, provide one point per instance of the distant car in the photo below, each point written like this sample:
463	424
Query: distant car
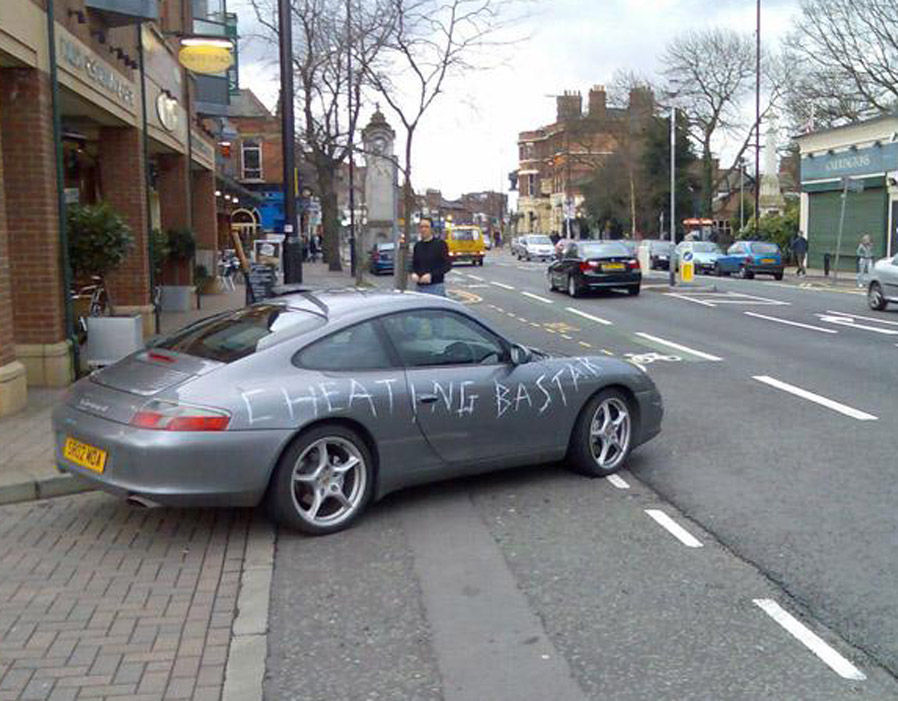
749	258
883	286
658	253
381	258
536	247
592	265
704	255
629	244
465	243
321	402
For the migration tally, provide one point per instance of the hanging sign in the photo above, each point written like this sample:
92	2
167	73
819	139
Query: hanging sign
216	56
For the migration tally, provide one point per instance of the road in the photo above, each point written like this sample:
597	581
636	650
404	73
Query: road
768	494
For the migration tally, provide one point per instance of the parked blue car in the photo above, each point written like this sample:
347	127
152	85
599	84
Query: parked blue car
380	258
749	258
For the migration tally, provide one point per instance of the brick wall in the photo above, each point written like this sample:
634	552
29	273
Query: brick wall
171	184
7	353
203	207
32	214
122	184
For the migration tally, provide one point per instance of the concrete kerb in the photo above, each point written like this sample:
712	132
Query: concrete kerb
245	671
22	485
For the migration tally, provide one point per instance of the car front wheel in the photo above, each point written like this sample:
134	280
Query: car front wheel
323	481
572	288
875	298
603	435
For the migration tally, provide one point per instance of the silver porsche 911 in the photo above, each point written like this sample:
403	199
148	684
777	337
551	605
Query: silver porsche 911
319	402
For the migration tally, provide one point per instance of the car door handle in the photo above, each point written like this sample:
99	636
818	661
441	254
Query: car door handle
427	398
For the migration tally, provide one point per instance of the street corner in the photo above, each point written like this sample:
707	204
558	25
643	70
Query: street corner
98	597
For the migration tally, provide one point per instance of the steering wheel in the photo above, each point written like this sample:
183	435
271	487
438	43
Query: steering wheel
459	352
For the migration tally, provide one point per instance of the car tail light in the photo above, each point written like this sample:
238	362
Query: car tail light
168	416
375	256
155	355
588	265
749	260
633	264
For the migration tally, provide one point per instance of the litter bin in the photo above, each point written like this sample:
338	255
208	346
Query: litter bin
826	264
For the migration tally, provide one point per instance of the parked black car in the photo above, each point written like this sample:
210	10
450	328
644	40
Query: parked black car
591	265
659	253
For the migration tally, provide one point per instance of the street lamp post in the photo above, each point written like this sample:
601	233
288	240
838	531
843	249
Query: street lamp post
673	194
292	247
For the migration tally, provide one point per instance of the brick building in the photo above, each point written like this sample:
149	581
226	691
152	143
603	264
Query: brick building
487	209
128	137
554	161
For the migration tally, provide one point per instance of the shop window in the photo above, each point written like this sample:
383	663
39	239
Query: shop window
252	160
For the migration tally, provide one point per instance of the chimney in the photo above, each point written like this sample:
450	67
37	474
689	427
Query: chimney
568	106
597	101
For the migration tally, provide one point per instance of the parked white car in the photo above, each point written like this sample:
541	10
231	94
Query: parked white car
883	286
535	247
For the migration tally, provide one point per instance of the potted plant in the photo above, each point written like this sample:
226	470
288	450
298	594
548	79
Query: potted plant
99	241
177	287
204	281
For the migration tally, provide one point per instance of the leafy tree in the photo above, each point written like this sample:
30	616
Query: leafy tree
776	228
99	240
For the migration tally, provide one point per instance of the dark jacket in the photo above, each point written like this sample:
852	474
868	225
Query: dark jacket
432	257
799	245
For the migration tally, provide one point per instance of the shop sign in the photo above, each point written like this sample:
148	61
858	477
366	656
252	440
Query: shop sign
96	71
870	160
201	149
206	59
167	111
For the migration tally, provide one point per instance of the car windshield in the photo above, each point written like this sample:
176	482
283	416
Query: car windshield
231	336
764	248
705	247
540	240
603	250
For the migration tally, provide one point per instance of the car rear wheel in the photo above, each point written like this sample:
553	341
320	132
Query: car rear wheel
875	298
323	481
718	271
572	289
633	290
777	276
550	281
603	435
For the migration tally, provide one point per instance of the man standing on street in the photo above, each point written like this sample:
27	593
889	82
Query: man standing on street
799	246
430	261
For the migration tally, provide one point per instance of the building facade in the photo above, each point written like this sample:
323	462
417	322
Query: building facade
555	161
127	137
860	161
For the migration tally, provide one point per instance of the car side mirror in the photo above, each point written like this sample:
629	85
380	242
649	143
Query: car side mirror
520	355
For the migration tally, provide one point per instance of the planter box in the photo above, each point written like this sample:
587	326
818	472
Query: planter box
176	298
111	338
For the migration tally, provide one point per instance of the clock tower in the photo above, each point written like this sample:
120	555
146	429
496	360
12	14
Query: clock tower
381	172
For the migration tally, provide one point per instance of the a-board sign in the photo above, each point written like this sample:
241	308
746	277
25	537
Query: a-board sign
260	281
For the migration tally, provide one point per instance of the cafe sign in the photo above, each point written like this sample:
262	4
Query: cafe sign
96	71
207	55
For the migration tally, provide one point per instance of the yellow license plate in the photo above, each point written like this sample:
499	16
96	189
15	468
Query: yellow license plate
84	455
768	260
612	266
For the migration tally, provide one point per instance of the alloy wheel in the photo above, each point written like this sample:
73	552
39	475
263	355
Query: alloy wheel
874	297
609	433
328	481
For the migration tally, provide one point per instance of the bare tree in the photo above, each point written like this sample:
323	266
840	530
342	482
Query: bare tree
322	40
429	42
844	60
709	73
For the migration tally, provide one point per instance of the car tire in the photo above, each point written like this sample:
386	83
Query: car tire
633	290
603	435
550	281
718	271
292	501
777	276
572	288
875	297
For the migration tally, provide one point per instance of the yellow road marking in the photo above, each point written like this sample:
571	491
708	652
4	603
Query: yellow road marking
584	344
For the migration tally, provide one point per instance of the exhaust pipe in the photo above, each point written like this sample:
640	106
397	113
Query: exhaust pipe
142	502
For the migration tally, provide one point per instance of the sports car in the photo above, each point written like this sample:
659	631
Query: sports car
318	403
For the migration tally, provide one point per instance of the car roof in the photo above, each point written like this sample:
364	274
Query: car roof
349	303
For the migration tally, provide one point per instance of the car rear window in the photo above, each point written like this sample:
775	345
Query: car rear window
464	235
234	335
540	240
603	250
705	247
661	247
764	248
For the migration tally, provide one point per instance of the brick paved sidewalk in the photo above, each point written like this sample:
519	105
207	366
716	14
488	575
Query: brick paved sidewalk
101	599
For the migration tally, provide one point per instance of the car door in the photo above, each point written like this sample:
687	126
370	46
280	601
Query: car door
890	278
473	405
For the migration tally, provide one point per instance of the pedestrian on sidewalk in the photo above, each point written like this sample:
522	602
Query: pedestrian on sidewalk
430	260
799	245
864	260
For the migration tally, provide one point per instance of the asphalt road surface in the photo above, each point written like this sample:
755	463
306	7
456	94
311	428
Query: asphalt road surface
748	552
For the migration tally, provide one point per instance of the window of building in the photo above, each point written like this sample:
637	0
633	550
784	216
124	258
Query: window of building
252	160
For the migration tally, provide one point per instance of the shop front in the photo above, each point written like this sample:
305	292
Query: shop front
850	175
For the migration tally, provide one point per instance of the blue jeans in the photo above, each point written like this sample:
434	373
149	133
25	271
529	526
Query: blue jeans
435	288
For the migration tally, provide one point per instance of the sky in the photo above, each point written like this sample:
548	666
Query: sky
468	141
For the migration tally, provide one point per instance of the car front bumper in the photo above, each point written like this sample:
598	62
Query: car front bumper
651	413
221	468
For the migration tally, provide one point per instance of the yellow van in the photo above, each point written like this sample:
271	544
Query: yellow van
465	244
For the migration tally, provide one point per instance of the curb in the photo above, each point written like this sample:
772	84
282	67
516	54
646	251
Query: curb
31	488
245	671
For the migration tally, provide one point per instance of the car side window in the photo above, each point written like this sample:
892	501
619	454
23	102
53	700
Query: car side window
357	348
572	251
436	337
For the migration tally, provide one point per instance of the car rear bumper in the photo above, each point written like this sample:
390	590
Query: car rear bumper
465	257
766	269
226	468
599	280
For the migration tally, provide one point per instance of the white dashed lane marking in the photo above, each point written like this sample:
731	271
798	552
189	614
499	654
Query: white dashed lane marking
537	298
816	398
811	640
618	481
679	347
502	285
848	322
865	318
791	323
597	319
674	528
475	277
